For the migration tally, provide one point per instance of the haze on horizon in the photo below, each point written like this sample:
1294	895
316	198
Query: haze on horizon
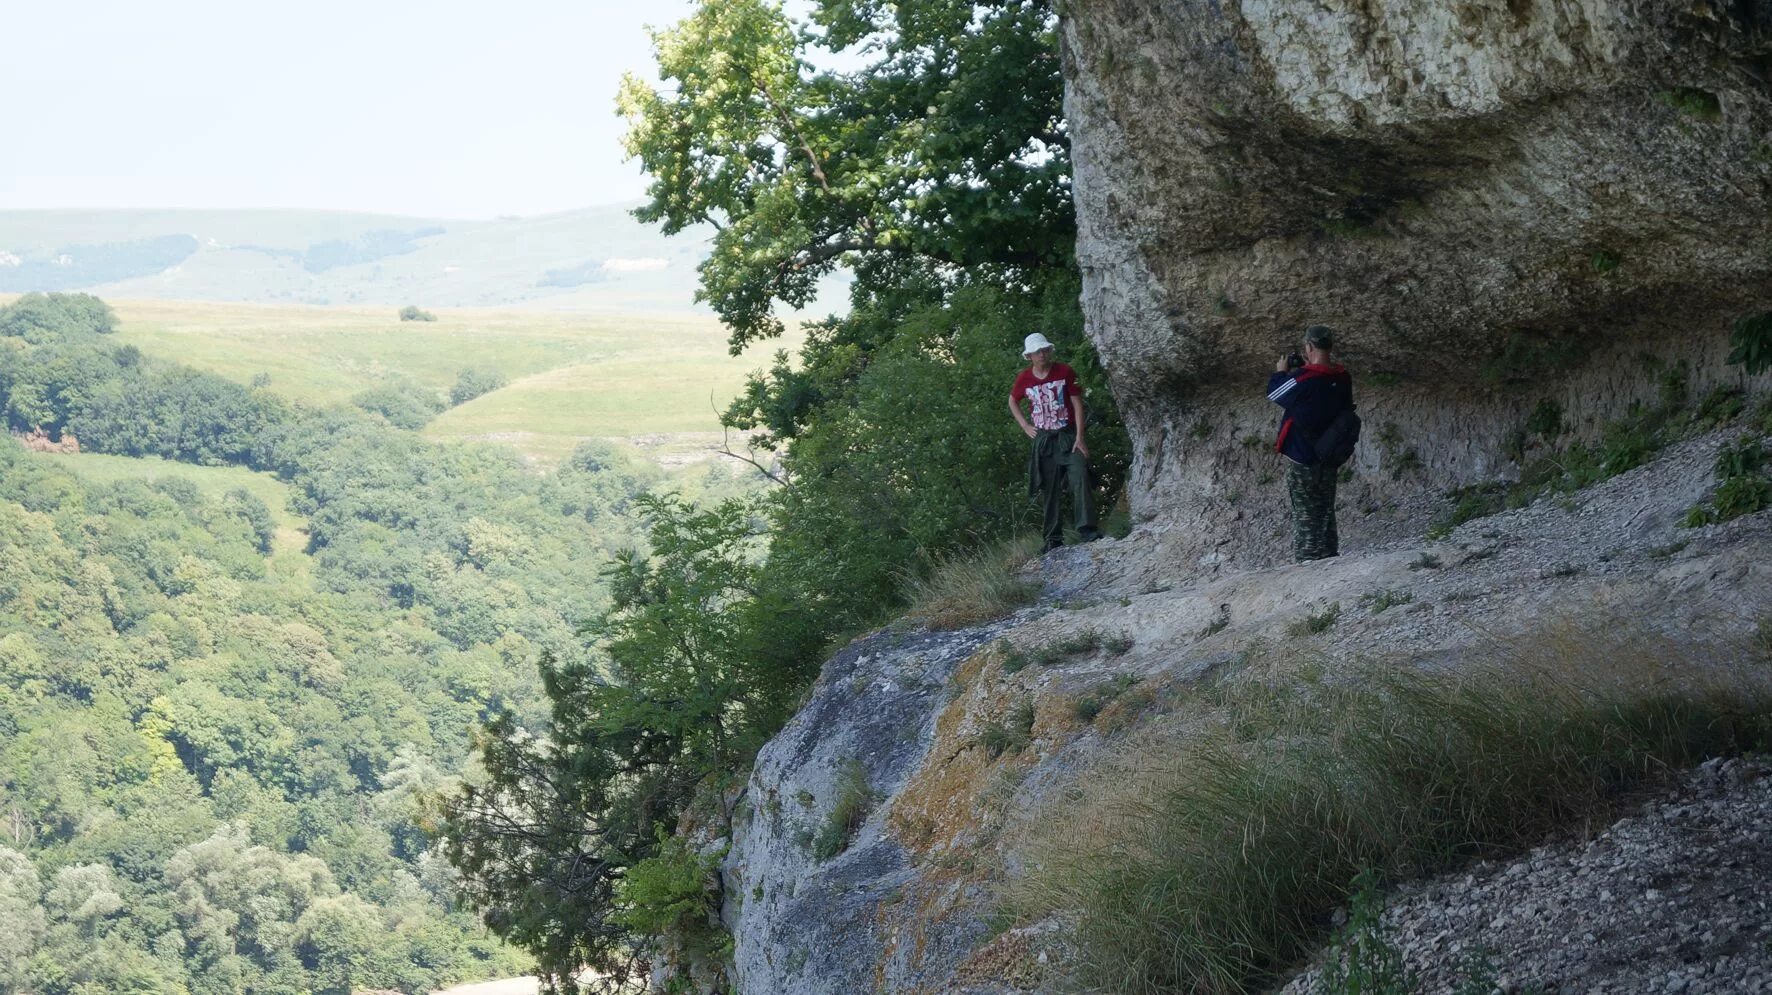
433	109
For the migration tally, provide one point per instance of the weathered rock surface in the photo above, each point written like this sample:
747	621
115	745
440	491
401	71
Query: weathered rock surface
1477	192
908	906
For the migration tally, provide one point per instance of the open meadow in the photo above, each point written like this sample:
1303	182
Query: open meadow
654	380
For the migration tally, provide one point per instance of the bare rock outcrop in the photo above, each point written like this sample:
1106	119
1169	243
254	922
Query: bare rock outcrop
962	752
1495	200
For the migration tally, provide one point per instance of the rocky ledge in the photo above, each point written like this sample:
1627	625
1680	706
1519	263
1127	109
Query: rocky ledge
942	751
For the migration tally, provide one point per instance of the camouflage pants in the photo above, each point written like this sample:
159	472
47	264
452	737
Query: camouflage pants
1312	489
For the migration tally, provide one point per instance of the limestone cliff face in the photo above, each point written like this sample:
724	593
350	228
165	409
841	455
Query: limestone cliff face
1476	192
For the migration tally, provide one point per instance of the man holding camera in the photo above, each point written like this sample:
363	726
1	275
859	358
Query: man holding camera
1317	396
1060	456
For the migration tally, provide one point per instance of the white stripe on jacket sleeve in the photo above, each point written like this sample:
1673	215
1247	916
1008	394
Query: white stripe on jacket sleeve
1283	388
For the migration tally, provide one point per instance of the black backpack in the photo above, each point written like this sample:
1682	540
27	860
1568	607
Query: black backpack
1335	444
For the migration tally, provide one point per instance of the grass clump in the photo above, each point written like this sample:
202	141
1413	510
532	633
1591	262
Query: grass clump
1090	705
1011	735
1387	598
1209	864
1425	561
855	799
975	588
1743	485
1315	623
1083	642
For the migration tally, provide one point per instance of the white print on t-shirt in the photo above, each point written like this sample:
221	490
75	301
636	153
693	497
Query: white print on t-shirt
1048	403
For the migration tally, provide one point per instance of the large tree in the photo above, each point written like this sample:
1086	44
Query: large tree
910	142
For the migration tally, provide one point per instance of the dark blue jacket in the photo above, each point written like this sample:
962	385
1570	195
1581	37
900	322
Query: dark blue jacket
1311	396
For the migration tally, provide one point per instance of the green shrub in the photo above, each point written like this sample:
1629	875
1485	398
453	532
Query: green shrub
1425	561
1212	869
1750	343
849	810
1605	261
1743	485
473	382
1363	960
1721	406
670	894
412	312
1546	420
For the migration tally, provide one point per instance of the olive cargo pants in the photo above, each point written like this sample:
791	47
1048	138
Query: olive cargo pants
1053	468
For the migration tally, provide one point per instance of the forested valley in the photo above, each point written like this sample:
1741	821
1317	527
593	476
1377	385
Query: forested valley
216	751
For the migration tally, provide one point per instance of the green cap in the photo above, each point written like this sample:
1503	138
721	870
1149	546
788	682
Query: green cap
1321	336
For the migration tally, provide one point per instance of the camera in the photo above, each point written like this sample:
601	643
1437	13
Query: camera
1294	361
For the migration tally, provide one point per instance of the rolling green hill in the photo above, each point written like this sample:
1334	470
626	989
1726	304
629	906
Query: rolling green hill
652	379
598	257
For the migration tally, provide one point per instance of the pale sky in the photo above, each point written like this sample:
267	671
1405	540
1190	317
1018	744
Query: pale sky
439	108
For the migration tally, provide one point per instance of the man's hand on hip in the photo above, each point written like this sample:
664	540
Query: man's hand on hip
1029	429
1080	448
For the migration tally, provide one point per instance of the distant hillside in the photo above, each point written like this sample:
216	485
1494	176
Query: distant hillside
598	257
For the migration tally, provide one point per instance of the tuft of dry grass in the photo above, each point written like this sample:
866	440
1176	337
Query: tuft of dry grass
1210	862
978	587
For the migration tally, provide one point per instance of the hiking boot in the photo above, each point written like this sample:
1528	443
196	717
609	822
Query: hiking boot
1051	544
1090	535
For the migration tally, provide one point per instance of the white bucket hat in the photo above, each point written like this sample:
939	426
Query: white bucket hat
1034	343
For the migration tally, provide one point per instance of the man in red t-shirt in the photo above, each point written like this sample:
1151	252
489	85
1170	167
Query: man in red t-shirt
1060	456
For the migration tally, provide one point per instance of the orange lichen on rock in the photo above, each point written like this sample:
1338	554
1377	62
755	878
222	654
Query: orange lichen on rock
940	807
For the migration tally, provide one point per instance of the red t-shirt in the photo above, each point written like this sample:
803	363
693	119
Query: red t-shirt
1050	398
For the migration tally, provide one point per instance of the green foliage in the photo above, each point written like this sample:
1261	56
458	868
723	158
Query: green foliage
1605	261
412	312
899	449
1743	485
1750	343
673	893
850	808
43	319
697	661
1362	958
1526	356
1425	561
404	403
946	156
1692	101
1546	420
1212	868
473	382
187	701
176	720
